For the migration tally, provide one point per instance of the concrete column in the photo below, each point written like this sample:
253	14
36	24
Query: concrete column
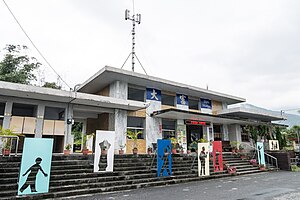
225	132
69	138
39	121
118	120
235	133
7	114
153	125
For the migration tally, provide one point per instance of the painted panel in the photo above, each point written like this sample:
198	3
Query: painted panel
153	94
203	159
104	151
35	166
29	125
164	158
217	156
48	127
260	153
273	145
16	124
141	145
59	127
182	99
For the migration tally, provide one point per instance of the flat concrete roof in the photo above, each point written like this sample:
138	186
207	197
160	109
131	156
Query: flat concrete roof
246	112
62	96
174	113
108	75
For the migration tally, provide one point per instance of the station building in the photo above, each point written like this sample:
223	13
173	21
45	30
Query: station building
120	100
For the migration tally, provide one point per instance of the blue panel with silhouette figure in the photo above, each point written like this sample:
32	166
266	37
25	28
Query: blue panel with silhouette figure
260	153
35	168
164	158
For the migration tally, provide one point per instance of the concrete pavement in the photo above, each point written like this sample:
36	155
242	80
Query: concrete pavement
280	185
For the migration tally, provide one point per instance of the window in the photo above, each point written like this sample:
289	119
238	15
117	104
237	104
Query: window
2	107
136	94
54	113
167	100
25	110
193	104
136	124
244	134
217	132
168	128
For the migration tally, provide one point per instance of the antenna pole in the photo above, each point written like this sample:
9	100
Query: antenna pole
133	43
135	19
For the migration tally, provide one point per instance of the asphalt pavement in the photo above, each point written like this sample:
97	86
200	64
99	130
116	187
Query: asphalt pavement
280	185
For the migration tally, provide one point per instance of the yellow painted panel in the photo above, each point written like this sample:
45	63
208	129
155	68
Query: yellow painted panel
141	145
48	127
16	124
216	106
29	125
59	127
139	113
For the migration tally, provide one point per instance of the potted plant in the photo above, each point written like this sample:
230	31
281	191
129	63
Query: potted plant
180	149
262	167
149	150
189	149
6	141
174	145
67	149
134	136
85	150
253	162
121	150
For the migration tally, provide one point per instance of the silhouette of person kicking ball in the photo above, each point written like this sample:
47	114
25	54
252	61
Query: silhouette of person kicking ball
165	159
31	179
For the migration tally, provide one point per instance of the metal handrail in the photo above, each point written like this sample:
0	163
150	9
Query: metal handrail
12	136
269	161
154	156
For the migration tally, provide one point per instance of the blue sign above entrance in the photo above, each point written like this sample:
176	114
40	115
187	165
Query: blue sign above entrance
182	99
206	103
153	94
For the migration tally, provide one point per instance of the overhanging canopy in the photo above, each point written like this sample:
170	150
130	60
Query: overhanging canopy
174	113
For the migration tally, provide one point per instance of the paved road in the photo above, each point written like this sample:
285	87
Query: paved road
263	186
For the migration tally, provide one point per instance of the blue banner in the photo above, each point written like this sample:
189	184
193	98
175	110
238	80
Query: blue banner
182	99
35	168
206	103
260	153
153	94
164	158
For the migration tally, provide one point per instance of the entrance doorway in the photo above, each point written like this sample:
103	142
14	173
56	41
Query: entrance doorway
194	133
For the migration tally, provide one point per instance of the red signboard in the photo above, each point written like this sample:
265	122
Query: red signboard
194	122
217	156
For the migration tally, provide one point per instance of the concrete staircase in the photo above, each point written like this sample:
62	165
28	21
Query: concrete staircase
73	175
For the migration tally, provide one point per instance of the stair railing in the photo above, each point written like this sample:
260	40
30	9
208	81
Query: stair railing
154	156
195	157
271	160
12	137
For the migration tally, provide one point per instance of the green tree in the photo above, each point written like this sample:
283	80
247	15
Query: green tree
51	85
17	66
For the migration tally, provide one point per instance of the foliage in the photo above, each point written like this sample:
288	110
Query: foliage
77	132
16	66
280	137
68	147
7	141
295	168
134	136
52	85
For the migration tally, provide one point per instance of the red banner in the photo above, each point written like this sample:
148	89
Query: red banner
217	156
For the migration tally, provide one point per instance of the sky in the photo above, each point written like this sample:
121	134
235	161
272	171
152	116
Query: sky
246	48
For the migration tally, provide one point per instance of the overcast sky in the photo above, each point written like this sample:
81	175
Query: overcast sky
249	49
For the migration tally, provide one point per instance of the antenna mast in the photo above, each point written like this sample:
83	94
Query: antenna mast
135	19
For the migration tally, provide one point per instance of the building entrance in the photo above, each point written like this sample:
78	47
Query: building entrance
194	133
